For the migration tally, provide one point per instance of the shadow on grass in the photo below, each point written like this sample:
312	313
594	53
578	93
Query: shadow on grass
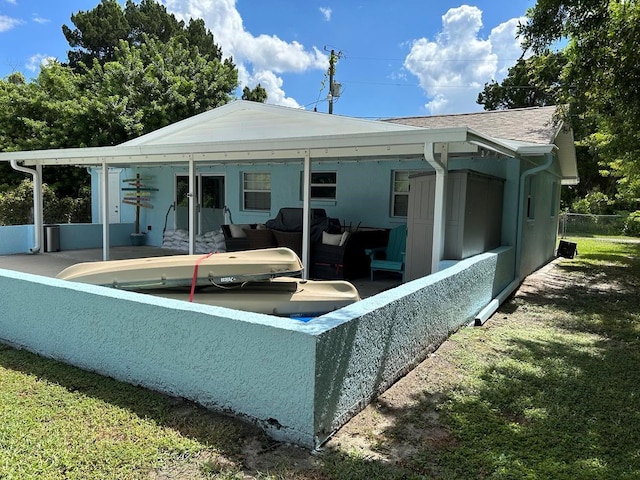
563	403
601	296
558	401
221	432
552	410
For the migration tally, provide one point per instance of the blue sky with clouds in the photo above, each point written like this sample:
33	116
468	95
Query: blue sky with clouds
402	58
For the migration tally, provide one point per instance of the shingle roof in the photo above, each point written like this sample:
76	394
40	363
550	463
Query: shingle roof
531	125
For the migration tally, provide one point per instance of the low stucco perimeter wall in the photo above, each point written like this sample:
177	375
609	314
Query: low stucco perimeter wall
16	239
73	236
394	331
299	381
249	364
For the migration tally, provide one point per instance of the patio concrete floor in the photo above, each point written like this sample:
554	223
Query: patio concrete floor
51	263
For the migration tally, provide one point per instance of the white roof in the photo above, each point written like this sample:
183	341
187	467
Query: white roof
251	121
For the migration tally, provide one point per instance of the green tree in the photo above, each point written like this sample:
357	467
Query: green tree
258	94
16	205
602	78
153	85
98	32
149	18
531	82
130	71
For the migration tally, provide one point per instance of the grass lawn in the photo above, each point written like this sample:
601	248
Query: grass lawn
547	389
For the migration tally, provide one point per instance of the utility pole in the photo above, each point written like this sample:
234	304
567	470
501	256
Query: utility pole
334	88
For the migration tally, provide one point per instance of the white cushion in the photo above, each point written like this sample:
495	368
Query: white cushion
237	230
331	238
344	238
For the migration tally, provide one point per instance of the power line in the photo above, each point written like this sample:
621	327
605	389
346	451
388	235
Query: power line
457	59
396	84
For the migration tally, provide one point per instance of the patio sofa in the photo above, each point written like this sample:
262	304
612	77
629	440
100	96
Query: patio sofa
285	230
345	258
336	253
235	236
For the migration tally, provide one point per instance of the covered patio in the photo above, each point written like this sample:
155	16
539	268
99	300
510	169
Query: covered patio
246	133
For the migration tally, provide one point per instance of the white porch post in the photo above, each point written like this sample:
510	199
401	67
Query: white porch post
105	210
192	206
306	215
440	204
38	208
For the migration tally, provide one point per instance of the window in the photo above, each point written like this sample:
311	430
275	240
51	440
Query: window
400	194
323	185
530	199
554	199
256	191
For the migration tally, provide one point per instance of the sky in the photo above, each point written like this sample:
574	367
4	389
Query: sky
396	59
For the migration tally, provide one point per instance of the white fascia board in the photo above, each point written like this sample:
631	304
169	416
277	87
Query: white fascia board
369	144
536	150
570	181
493	144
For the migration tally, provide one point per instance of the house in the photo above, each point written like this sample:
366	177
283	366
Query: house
301	381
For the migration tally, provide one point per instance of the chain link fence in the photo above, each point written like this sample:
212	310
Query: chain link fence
572	224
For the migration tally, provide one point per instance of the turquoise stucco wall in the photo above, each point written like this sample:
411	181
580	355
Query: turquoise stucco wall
16	239
539	234
392	332
257	366
73	236
299	381
77	236
363	190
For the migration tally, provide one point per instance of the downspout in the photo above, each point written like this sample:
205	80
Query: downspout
491	308
37	203
440	166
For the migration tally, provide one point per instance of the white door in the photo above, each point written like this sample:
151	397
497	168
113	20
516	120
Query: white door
114	195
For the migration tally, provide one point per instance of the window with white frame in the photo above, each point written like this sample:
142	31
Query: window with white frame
400	193
324	185
256	191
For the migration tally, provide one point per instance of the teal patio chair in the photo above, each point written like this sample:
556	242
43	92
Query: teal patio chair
391	257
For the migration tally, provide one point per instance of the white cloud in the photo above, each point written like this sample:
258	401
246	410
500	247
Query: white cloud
41	20
453	68
505	45
263	56
7	23
271	83
38	60
326	13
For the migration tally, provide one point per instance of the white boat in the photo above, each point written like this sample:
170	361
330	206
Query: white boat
187	270
282	296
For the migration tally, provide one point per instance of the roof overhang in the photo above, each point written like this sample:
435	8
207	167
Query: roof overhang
327	147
